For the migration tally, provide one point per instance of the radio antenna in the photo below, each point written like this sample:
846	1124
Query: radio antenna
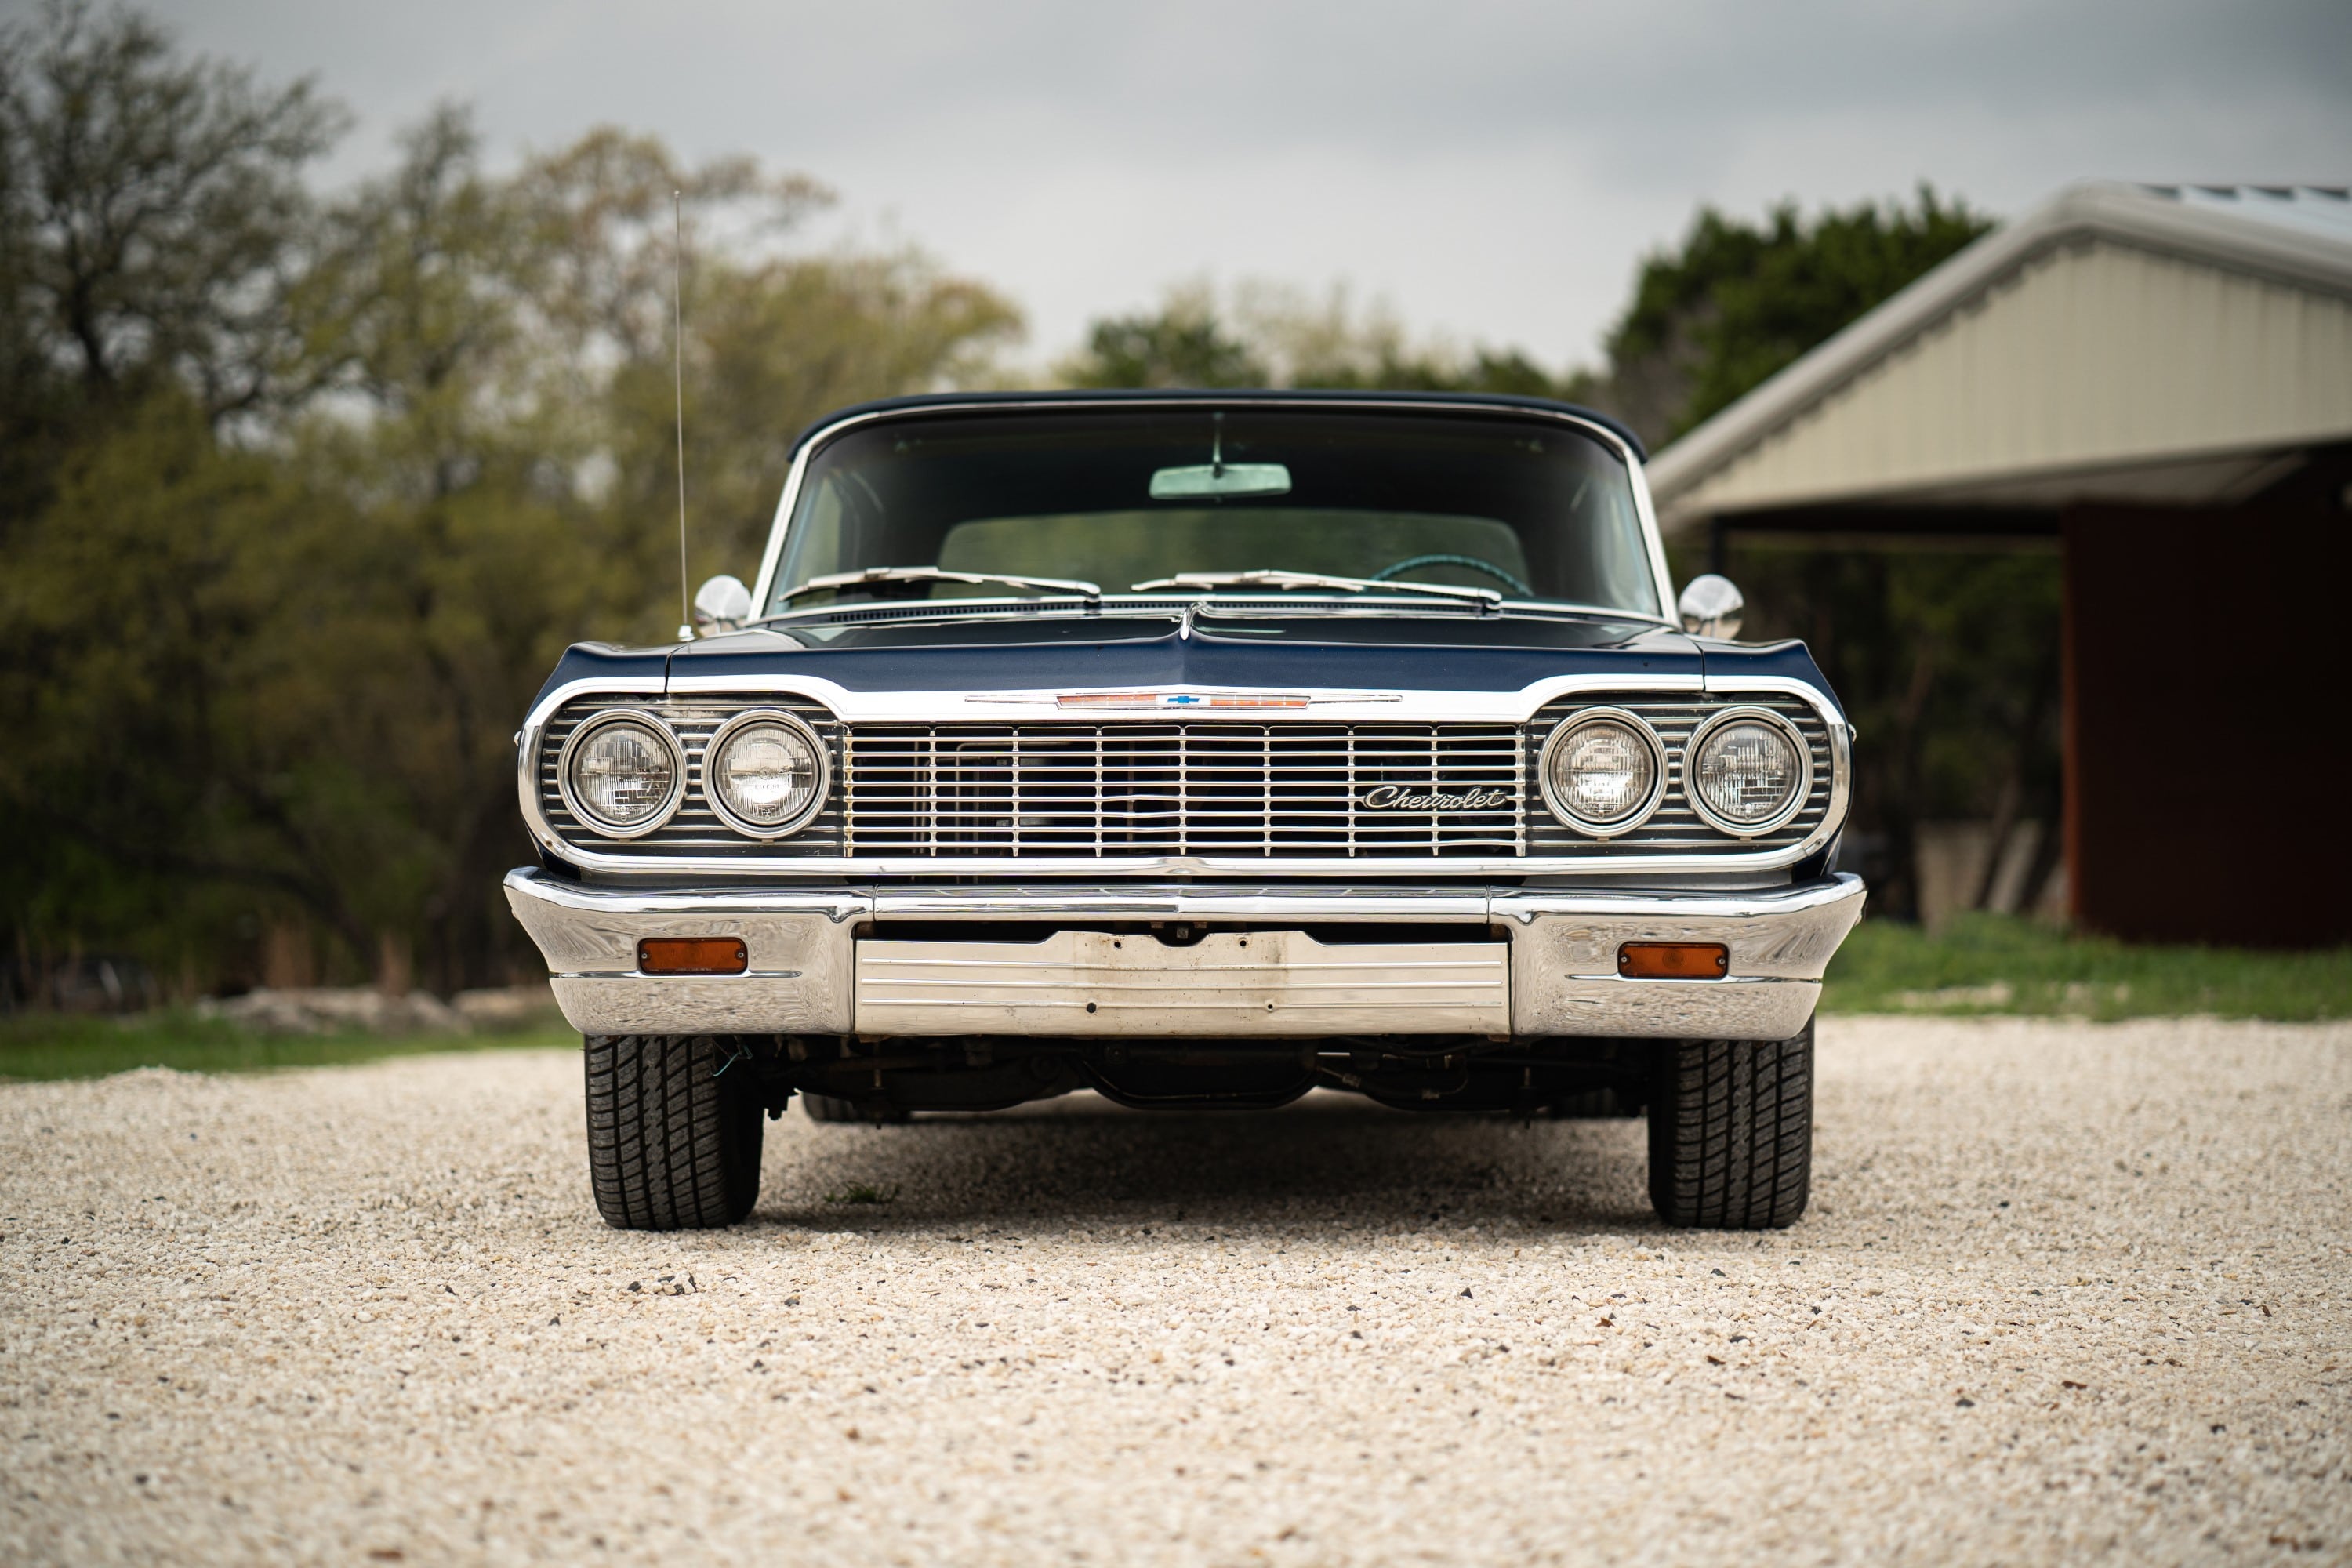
677	373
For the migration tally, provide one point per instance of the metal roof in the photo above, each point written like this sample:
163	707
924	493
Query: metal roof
2116	327
2323	210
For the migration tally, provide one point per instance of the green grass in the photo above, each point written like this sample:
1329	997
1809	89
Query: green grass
860	1193
55	1045
2002	965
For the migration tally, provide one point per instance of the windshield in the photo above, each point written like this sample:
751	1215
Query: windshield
1524	507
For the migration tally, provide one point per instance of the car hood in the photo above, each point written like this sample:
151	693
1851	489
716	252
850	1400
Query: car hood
1451	652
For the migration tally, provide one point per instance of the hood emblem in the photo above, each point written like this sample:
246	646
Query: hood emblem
1196	699
1397	797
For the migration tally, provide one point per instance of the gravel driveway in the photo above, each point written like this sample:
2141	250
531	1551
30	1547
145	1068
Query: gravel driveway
2067	1292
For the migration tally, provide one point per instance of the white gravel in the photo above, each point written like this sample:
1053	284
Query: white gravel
2068	1292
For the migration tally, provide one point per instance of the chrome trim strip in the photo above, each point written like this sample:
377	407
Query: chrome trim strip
953	704
1180	699
1796	802
605	720
1285	901
718	802
817	439
1578	720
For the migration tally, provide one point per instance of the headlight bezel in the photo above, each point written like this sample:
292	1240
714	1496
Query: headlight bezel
1696	747
1560	734
587	729
716	799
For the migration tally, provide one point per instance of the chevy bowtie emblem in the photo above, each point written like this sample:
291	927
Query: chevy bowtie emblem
1395	797
1258	700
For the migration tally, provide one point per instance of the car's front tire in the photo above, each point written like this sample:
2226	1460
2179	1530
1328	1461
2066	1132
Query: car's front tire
1731	1132
672	1136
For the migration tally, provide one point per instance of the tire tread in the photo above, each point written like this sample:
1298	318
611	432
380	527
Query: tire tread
672	1143
1731	1133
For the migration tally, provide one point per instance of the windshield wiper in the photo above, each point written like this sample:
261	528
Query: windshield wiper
1269	578
933	574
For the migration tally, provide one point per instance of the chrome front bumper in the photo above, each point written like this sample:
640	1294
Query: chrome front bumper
1552	971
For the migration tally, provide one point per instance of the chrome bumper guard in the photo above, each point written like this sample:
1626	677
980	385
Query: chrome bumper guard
1551	969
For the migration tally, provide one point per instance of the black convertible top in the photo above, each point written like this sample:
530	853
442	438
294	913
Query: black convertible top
1227	395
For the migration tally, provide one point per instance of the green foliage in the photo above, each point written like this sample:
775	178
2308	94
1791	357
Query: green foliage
153	207
1737	303
863	1193
1174	347
1262	335
311	493
52	1045
1998	963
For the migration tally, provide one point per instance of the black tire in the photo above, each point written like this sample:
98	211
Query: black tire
828	1108
673	1139
1731	1133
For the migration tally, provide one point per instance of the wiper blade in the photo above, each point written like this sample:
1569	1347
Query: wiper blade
934	574
1268	578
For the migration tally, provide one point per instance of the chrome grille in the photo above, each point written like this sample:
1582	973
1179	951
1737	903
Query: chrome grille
1234	789
1268	792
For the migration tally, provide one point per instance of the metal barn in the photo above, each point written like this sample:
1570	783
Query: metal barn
2158	379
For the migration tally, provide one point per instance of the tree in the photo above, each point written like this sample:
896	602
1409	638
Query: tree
1737	303
313	527
1181	345
155	207
1270	335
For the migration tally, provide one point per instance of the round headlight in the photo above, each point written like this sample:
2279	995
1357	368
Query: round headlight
623	773
1750	771
766	773
1603	771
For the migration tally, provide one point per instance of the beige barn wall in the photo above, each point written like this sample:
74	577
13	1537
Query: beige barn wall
2093	354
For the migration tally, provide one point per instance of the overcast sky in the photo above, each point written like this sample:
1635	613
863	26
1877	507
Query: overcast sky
1492	171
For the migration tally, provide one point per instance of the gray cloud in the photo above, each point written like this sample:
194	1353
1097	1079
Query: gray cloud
1494	170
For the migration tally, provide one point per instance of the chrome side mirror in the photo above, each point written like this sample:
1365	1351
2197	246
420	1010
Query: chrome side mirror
1711	606
721	606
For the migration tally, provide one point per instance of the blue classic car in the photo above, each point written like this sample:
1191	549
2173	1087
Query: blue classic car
1199	749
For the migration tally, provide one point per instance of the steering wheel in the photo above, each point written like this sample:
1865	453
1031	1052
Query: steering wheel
1388	572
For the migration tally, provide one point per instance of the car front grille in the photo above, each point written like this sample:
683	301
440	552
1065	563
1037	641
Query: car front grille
1251	790
1234	791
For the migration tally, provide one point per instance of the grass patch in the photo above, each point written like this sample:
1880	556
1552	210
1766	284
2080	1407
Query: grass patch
58	1046
1984	963
860	1193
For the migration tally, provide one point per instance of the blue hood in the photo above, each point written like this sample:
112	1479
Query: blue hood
1499	653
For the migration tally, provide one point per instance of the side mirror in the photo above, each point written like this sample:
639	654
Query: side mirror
722	604
1711	606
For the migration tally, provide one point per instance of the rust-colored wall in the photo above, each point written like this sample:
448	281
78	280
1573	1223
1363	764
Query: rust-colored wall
2192	639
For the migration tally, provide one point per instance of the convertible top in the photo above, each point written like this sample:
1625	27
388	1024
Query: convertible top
1215	395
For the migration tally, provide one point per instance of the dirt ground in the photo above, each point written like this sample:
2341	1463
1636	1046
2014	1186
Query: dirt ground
2068	1292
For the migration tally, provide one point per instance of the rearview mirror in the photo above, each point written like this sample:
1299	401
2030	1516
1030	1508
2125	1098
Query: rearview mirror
721	605
1711	606
1219	480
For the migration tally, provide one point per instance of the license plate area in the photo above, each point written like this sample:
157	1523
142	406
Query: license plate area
1264	983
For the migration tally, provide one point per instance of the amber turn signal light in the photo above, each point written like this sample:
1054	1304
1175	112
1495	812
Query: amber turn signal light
1673	960
692	955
